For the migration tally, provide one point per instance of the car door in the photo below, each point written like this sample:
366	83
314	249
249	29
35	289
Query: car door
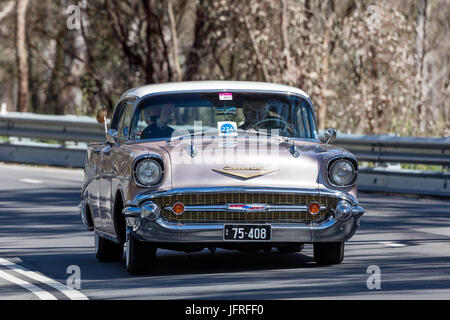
120	123
92	173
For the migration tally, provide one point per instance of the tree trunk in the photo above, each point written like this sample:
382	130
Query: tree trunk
6	10
290	74
53	104
324	72
324	75
173	28
22	55
258	54
201	31
421	52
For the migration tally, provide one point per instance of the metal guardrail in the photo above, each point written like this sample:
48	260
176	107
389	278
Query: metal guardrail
398	149
376	149
51	127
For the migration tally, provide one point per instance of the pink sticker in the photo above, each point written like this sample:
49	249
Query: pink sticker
225	96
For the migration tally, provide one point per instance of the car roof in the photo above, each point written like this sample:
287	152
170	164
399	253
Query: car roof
210	85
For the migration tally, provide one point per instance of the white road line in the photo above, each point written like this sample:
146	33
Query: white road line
392	244
41	293
30	181
72	294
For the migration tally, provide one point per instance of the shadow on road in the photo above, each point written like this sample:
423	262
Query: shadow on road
48	218
268	275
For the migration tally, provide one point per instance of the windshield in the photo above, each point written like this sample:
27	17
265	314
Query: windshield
172	115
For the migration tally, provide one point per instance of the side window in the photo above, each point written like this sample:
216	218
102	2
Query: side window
118	116
306	120
301	122
122	119
124	127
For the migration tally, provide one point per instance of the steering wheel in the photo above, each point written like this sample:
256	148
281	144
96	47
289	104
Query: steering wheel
286	124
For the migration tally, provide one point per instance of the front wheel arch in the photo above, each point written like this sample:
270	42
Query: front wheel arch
89	218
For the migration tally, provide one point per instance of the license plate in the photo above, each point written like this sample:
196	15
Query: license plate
246	232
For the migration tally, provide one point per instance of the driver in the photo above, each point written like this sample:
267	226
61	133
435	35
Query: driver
260	112
157	118
252	114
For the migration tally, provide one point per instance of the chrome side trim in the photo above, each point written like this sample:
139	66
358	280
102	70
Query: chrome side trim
107	236
86	183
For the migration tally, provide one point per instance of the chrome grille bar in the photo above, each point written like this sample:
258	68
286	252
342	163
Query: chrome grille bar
226	208
262	207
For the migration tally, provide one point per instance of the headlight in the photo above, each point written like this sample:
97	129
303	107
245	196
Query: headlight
148	172
342	173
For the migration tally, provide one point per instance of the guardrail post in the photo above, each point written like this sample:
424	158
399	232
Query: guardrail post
3	109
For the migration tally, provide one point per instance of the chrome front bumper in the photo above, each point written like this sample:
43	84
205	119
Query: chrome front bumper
144	221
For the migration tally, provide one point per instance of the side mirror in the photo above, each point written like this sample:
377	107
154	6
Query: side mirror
102	112
112	137
329	136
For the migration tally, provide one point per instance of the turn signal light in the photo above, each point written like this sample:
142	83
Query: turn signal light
178	208
314	208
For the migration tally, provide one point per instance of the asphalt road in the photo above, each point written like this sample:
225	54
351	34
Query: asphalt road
41	236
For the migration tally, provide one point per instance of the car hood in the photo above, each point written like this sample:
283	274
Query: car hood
244	163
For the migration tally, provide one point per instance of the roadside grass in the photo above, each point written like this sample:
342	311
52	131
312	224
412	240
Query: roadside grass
50	141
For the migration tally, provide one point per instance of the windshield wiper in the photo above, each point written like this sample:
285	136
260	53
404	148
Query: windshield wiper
257	132
178	138
215	133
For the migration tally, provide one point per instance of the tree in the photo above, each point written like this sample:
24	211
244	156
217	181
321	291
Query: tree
22	55
369	67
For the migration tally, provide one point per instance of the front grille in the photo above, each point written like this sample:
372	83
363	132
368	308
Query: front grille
245	198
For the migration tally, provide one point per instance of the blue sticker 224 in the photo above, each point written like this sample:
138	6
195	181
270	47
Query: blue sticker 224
227	128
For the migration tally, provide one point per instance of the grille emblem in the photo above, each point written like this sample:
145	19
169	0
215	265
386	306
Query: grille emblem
247	207
244	172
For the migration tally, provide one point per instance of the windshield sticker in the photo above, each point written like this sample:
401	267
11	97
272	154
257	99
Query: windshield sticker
225	96
227	128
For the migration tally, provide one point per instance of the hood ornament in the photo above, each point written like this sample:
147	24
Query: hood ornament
294	150
244	172
191	150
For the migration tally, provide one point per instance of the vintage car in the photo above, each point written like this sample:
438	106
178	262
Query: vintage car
217	164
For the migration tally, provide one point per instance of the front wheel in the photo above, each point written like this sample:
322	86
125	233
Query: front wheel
106	250
140	256
329	253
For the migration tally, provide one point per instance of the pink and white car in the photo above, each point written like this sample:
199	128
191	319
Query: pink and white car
217	164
